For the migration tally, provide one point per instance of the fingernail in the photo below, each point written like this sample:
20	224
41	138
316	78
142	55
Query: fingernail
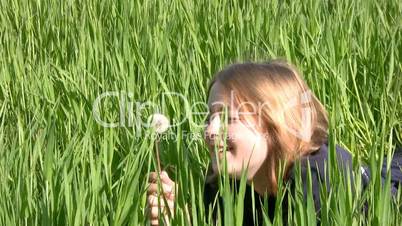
169	189
171	196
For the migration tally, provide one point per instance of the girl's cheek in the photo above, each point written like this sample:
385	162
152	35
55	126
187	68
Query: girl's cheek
235	133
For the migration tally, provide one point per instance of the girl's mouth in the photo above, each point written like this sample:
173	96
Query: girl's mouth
220	151
220	154
228	149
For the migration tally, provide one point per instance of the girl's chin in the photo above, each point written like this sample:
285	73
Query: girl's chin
221	154
215	164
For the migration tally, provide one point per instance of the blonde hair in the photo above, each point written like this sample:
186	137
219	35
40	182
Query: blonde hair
293	119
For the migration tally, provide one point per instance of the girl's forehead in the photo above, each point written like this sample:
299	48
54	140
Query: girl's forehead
233	109
219	98
218	103
220	107
217	92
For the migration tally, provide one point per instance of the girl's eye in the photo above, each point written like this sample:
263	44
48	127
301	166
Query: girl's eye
208	119
230	119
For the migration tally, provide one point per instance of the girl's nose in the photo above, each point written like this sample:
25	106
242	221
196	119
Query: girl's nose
212	130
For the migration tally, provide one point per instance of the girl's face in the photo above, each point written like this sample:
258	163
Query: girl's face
245	144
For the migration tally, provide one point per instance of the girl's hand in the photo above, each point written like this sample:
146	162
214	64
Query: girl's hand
154	198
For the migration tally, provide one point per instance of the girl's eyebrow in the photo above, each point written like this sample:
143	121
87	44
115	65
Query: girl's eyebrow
217	108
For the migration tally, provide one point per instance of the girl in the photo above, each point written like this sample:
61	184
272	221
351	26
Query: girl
272	117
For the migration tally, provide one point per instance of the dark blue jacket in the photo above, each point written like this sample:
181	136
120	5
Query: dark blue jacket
317	161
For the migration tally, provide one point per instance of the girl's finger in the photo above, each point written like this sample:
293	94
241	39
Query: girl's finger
170	196
153	188
155	222
154	213
166	179
153	201
153	178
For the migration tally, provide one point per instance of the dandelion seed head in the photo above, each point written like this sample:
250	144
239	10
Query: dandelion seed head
159	122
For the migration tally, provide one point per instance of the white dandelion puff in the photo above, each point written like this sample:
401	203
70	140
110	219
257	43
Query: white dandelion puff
159	122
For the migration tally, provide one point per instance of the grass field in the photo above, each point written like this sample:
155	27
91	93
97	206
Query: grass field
59	166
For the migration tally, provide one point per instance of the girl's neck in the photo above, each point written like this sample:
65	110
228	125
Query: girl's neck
260	180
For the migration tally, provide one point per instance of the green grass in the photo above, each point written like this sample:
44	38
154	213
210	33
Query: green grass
58	166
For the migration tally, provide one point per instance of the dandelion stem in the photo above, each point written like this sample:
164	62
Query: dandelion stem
157	155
